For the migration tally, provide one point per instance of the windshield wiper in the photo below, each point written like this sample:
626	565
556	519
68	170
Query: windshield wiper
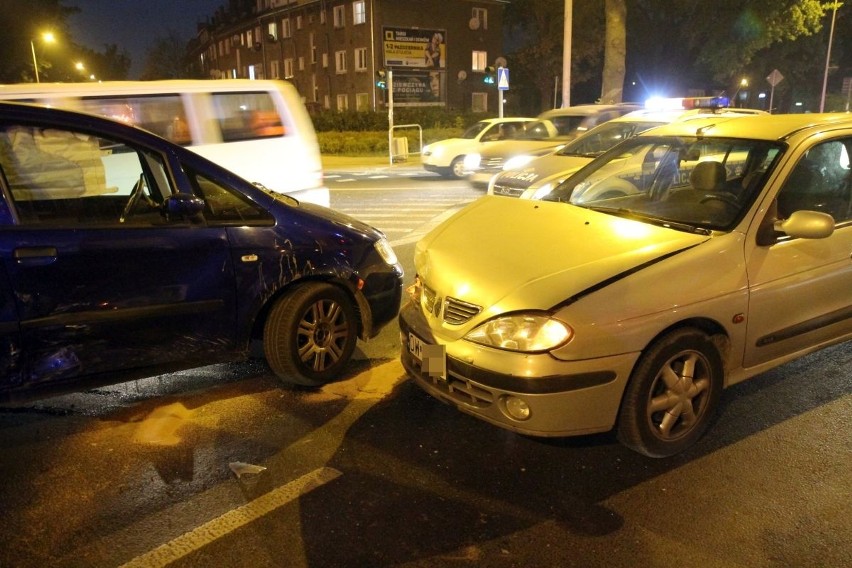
659	221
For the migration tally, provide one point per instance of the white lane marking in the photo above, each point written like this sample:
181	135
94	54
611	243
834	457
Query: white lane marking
232	520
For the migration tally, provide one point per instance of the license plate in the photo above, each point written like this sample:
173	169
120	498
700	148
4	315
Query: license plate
433	358
415	346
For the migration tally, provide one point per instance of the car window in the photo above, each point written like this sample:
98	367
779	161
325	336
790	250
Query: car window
223	204
474	130
61	177
603	137
820	182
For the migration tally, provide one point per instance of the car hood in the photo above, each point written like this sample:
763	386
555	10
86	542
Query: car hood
516	147
544	168
505	254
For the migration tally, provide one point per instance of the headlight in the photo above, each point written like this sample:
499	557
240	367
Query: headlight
386	251
471	162
517	162
524	332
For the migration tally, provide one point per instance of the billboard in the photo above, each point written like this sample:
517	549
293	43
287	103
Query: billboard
421	88
415	48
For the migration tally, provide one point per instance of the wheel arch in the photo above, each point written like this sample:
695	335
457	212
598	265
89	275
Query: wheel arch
714	330
361	309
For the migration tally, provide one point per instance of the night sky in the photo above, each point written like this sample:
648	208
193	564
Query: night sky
134	25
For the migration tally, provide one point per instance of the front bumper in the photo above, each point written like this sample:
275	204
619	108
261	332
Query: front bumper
563	398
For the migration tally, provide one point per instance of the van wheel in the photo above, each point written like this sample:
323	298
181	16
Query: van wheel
672	395
310	334
457	168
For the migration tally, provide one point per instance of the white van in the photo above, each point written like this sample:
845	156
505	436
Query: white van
260	130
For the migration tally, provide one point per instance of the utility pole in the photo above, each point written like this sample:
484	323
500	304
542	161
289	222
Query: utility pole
566	54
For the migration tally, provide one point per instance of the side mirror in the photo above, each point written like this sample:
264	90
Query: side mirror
182	206
806	225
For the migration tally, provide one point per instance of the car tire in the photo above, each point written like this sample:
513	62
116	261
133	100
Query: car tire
456	169
310	334
672	394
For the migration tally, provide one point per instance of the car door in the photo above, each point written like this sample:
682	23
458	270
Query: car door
102	280
801	289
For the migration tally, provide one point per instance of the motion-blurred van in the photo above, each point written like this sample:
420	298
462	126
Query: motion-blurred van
259	130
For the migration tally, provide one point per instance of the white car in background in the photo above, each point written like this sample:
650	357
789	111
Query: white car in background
531	177
446	157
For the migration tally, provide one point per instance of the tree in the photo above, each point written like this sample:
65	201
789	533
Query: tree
615	51
666	36
535	28
25	22
168	59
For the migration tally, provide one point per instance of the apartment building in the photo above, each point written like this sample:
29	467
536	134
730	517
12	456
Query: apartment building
333	50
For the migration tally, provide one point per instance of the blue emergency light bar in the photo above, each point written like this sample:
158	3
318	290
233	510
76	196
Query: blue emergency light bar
687	103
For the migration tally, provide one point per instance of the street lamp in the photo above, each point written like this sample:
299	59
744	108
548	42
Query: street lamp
47	37
827	59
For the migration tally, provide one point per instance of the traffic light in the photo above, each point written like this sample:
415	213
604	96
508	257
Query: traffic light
381	79
489	75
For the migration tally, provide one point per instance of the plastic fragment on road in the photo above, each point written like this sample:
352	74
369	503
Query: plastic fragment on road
241	468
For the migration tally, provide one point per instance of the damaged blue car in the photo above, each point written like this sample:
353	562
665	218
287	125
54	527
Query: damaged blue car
124	255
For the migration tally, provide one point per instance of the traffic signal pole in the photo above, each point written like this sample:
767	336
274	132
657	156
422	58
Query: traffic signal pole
390	115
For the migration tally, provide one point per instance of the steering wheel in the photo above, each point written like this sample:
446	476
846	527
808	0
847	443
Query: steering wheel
137	193
726	198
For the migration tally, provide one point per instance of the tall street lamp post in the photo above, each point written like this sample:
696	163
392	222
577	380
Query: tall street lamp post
827	59
48	38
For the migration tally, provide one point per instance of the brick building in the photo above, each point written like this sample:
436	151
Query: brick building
332	50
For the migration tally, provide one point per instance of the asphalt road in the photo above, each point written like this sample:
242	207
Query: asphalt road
224	466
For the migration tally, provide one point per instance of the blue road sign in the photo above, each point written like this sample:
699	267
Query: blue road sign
502	79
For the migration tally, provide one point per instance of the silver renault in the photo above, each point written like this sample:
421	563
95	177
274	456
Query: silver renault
682	261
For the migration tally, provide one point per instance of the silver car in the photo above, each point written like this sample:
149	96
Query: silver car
683	261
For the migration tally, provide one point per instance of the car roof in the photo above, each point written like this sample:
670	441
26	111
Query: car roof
772	127
508	119
587	110
674	115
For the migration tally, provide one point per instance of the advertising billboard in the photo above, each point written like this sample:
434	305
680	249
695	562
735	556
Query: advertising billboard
415	48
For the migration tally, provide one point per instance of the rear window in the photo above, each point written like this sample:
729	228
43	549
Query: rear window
247	116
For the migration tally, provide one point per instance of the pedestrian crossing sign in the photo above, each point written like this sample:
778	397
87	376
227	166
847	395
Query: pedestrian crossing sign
502	79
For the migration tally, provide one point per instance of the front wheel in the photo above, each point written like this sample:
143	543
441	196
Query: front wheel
672	394
457	168
310	334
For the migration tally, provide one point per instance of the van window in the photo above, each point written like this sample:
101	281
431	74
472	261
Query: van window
247	116
161	114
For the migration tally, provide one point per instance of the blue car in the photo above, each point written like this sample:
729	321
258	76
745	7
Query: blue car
124	255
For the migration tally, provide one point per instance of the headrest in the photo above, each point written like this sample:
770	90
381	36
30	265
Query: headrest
707	176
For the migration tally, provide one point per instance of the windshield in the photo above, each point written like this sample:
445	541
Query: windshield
690	182
601	138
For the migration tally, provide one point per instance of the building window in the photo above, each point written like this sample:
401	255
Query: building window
313	49
322	15
340	61
339	16
342	102
481	17
326	102
288	68
272	31
285	28
362	101
301	63
274	69
361	59
325	60
479	61
298	22
479	102
359	12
